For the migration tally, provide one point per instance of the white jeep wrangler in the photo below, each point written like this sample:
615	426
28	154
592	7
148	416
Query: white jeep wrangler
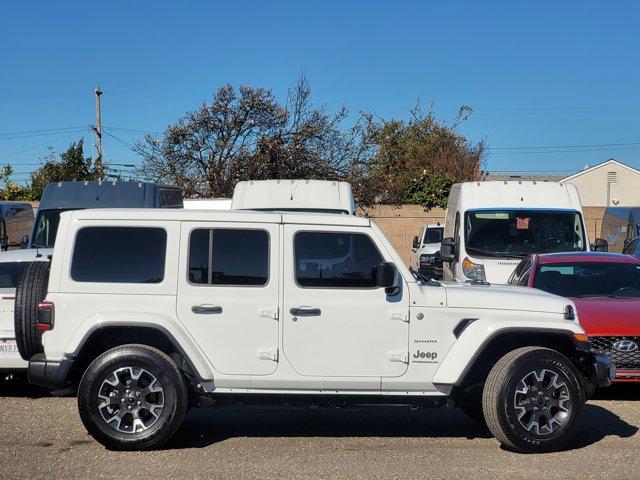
147	312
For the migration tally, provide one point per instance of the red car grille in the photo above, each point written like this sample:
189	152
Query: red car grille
624	360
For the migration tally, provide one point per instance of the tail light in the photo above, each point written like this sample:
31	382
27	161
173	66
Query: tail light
45	316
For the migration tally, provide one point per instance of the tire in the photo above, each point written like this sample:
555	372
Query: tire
30	291
161	413
533	381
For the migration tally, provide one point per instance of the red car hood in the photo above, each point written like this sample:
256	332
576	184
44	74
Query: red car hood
609	316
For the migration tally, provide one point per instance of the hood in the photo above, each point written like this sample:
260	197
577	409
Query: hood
503	297
609	316
428	248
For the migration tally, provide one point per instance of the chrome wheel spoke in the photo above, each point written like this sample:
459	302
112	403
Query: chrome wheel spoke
542	402
131	400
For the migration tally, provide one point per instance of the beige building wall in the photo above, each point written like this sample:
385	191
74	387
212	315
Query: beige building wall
401	224
593	184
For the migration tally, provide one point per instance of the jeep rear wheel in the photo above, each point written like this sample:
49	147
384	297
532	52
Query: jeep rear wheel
533	400
30	291
132	397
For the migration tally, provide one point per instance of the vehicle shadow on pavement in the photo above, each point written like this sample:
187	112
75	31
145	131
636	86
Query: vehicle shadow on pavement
207	426
21	388
204	427
600	423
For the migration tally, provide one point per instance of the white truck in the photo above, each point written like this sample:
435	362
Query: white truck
425	251
490	226
146	312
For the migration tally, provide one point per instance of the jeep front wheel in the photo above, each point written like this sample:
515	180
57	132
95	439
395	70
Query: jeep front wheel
132	397
533	400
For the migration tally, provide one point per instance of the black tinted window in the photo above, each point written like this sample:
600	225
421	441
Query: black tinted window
170	198
119	255
340	260
9	273
229	257
589	279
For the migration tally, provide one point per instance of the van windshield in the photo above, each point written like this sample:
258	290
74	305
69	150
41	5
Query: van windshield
46	228
496	233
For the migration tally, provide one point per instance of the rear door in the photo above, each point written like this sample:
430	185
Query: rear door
228	294
336	321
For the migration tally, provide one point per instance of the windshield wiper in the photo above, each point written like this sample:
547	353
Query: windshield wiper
491	253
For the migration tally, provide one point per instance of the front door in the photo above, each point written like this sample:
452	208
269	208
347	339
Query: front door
228	294
336	321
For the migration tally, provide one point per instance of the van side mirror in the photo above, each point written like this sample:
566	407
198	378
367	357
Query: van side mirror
600	245
448	250
386	275
416	242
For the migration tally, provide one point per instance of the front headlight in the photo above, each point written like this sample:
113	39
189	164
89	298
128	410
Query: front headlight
473	271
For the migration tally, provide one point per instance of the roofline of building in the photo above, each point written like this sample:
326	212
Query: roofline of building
611	160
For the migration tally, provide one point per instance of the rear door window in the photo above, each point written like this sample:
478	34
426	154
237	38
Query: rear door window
119	255
229	257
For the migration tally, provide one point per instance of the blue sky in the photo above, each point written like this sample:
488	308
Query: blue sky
537	74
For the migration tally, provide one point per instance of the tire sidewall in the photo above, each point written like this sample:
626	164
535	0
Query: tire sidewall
175	398
559	364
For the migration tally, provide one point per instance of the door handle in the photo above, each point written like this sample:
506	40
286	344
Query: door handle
305	312
206	309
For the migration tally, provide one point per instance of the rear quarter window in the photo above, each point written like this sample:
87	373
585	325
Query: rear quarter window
119	255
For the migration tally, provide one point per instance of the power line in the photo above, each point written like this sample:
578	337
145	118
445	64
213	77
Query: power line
49	142
35	133
132	130
568	146
126	144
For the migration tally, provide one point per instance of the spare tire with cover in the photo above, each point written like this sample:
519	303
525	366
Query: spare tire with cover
30	291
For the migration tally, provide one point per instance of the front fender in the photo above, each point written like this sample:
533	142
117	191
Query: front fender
478	334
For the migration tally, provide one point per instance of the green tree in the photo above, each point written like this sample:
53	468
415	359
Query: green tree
9	191
417	160
72	166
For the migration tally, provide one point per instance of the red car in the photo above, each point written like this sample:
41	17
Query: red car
606	290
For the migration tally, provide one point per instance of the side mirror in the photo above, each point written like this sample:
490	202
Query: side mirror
24	241
416	242
448	250
386	275
600	245
4	242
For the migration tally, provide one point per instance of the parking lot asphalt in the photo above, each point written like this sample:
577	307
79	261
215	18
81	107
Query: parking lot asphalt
42	437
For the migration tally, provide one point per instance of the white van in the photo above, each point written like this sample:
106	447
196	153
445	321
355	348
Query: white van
207	203
320	196
490	226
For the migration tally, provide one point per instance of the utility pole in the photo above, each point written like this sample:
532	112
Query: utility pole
98	130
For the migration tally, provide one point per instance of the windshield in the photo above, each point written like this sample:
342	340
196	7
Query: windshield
9	273
589	279
433	235
46	228
520	232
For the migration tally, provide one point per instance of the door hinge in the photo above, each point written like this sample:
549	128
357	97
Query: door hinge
268	354
269	313
398	356
399	314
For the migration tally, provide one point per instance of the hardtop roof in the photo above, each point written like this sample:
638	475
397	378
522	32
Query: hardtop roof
200	215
